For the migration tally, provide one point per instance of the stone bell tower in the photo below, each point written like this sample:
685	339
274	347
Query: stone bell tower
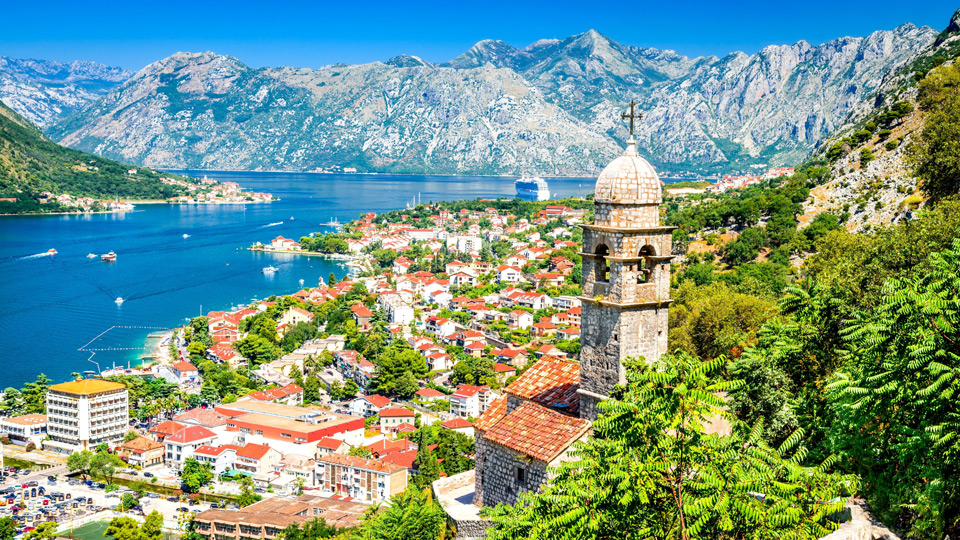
626	276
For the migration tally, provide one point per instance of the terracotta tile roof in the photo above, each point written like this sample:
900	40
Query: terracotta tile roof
191	434
430	393
141	445
360	463
493	414
397	412
401	459
377	400
503	368
168	427
406	428
329	443
458	423
384	447
537	431
552	383
184	366
253	451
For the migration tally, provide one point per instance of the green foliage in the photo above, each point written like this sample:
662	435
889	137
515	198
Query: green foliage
8	528
43	531
652	470
127	528
398	369
412	515
866	156
896	399
314	529
472	370
714	320
427	467
195	475
935	157
746	247
31	164
248	495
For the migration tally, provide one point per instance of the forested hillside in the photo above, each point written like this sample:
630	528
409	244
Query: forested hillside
31	164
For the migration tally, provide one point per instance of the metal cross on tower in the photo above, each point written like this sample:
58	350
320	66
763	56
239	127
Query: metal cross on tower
631	116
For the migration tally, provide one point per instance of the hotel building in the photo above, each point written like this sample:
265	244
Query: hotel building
83	414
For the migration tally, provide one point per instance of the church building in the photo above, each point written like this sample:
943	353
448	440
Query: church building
626	295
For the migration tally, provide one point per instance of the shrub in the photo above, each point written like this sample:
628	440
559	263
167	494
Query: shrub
891	145
884	133
866	156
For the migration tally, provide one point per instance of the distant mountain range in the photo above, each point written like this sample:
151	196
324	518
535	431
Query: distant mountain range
550	108
44	91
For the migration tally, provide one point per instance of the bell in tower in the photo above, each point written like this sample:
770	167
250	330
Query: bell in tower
626	275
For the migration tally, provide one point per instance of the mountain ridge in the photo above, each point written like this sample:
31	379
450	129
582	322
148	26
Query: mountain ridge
551	107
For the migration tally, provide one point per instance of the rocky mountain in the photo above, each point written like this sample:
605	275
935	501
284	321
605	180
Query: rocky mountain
550	108
882	190
45	91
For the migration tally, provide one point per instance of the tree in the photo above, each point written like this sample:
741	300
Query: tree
104	465
314	529
124	528
896	399
406	386
79	462
396	361
130	435
427	467
247	494
8	528
44	531
128	501
935	156
195	475
412	515
152	528
652	470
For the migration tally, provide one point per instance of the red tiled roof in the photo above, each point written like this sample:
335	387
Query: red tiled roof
406	428
184	366
329	443
361	311
489	418
552	383
359	462
430	392
190	434
253	451
537	431
457	423
401	459
377	400
397	412
384	447
168	427
503	368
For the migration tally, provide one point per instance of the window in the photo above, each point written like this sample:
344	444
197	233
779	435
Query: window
601	264
521	475
645	266
285	435
258	432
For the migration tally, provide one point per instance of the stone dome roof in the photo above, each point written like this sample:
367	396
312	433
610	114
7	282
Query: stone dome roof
629	179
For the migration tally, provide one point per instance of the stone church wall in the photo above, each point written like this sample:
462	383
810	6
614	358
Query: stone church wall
497	478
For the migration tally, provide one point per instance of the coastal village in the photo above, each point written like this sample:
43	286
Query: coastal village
387	368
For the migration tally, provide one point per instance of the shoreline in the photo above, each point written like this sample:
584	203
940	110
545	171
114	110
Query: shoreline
135	202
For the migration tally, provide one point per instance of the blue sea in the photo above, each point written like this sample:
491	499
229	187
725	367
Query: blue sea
59	314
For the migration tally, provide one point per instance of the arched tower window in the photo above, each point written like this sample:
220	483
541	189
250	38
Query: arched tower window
601	264
646	267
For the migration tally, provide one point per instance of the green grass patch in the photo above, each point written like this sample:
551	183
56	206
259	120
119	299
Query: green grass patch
90	531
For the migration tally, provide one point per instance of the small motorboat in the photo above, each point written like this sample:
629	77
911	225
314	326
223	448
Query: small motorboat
108	257
51	252
270	270
91	255
118	301
185	235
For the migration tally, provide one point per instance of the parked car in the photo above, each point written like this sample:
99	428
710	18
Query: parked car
148	475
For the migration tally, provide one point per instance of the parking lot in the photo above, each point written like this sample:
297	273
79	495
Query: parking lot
35	497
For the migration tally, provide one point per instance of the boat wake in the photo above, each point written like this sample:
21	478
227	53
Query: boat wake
37	256
270	225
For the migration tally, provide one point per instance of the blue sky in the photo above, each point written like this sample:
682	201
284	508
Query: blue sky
312	34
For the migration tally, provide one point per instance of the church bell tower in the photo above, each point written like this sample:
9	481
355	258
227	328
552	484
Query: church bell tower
626	275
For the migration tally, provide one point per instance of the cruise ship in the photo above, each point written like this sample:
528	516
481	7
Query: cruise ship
535	187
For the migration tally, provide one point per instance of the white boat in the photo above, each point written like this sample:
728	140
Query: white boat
108	257
91	255
118	301
535	187
185	235
270	270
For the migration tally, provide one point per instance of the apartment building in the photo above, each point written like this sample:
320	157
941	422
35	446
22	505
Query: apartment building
366	480
82	414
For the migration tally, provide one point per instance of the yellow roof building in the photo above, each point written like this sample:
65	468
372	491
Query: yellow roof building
87	387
